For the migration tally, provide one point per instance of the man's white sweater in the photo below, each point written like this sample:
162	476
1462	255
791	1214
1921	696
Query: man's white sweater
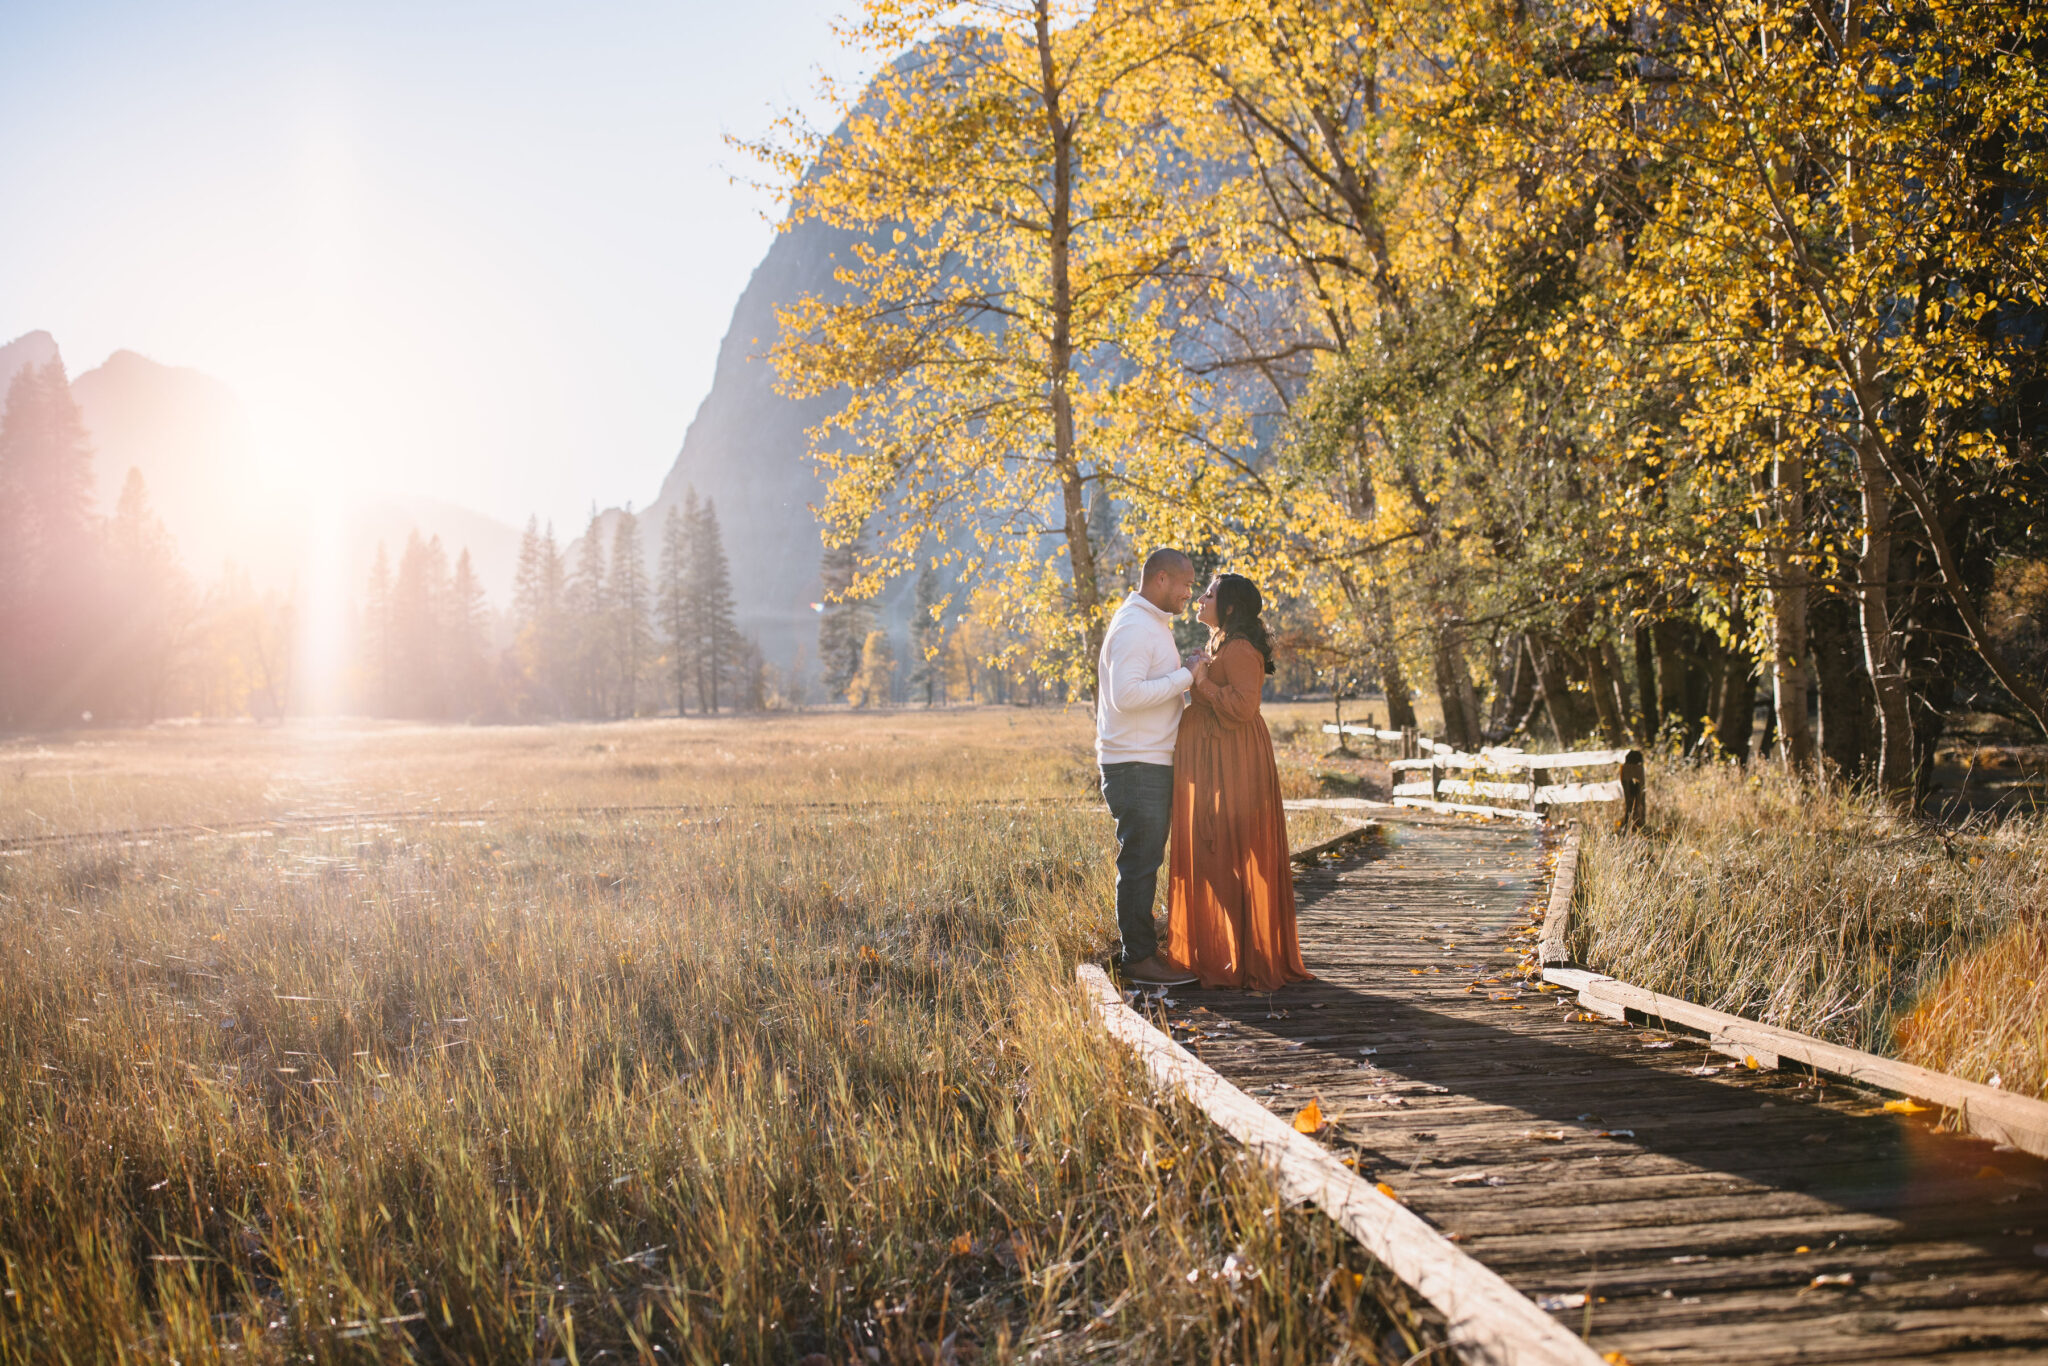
1142	683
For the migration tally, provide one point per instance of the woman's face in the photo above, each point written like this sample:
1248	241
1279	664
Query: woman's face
1205	608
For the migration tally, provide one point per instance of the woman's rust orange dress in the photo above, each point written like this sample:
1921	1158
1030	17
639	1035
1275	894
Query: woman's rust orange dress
1230	887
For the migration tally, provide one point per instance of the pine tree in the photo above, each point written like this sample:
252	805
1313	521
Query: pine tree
583	634
151	604
468	635
846	622
672	600
627	590
378	643
554	636
718	639
536	609
927	640
420	593
52	593
750	684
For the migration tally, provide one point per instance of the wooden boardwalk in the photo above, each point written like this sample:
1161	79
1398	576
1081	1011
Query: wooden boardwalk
1659	1198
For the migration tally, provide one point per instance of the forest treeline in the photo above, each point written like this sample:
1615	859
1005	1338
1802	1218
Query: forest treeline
1668	373
99	619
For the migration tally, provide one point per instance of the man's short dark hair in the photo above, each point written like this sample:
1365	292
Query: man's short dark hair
1165	560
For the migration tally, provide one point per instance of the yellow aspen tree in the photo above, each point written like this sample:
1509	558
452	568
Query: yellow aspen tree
1833	232
1006	321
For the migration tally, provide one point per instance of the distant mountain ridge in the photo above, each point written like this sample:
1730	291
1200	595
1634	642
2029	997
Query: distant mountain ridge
745	450
186	432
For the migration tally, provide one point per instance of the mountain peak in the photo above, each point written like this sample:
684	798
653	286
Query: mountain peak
30	348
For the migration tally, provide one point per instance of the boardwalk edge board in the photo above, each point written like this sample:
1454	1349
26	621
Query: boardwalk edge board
1986	1111
1467	809
1335	842
1488	1320
1554	947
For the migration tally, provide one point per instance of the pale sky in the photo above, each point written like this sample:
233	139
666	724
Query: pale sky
480	252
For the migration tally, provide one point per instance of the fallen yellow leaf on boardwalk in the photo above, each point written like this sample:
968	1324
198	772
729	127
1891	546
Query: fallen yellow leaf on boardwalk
1905	1107
1615	1359
1384	1189
1309	1119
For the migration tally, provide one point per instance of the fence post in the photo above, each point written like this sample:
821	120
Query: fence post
1408	750
1534	778
1436	777
1634	807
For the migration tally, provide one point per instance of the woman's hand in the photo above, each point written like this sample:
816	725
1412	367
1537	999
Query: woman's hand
1201	670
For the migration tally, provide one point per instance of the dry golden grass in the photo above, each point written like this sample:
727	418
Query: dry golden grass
687	1085
228	773
1816	908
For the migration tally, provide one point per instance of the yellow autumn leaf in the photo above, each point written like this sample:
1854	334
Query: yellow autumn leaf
1905	1107
961	1245
1309	1119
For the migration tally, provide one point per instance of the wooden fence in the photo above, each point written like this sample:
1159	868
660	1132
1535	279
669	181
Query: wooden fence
1508	782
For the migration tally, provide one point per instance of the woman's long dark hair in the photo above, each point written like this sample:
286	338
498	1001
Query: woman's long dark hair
1238	605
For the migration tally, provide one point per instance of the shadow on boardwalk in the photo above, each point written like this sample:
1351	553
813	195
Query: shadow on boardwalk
1711	1213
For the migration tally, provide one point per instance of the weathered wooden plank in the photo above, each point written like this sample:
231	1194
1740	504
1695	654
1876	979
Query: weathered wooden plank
1569	794
1552	948
1334	843
1590	758
1473	787
1456	808
1983	1110
1390	736
1512	763
1486	1319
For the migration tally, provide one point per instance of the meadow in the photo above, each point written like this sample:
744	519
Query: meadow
1812	906
701	1041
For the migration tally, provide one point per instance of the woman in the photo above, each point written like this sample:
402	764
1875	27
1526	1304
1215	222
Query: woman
1230	888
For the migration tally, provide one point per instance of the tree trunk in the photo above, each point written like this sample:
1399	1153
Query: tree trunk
1606	701
1735	718
1454	692
1647	719
1618	676
1669	637
1791	670
1844	698
1882	657
1555	685
1060	349
1518	695
1393	681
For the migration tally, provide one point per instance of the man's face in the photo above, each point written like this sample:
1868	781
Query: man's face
1173	588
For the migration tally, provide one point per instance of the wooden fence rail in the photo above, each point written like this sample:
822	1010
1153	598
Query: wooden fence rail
1489	787
1481	792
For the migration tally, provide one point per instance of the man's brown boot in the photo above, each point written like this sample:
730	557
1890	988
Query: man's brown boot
1158	971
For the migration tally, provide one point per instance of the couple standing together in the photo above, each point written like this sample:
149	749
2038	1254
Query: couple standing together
1184	750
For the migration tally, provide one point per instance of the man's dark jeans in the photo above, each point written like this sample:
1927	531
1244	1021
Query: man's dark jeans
1140	796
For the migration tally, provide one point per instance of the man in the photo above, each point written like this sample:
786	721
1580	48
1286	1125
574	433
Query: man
1141	682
